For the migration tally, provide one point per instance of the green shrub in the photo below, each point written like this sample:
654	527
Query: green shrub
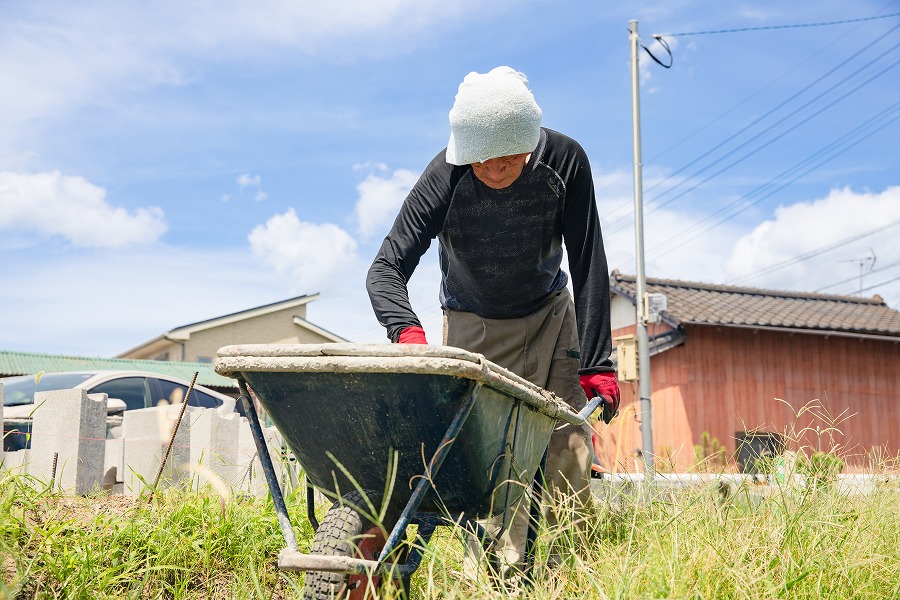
822	466
709	454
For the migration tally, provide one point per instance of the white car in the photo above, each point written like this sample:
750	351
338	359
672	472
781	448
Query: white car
126	390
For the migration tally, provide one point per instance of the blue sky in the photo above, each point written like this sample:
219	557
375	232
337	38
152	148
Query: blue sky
162	163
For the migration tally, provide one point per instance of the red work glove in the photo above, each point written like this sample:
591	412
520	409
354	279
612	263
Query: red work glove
606	385
412	335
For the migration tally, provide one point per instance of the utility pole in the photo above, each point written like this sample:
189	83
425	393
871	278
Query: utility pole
643	339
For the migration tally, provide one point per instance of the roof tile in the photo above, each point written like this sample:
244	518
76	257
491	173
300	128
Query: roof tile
708	304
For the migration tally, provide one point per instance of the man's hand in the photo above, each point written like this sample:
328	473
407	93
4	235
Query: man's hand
412	335
606	385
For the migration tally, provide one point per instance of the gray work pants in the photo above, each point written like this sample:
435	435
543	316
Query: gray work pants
542	348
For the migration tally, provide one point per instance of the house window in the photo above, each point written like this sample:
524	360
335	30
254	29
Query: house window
756	448
164	356
204	359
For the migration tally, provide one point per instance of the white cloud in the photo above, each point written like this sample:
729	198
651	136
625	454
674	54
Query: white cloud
314	256
371	166
66	56
325	258
53	204
733	254
246	180
807	227
700	260
379	200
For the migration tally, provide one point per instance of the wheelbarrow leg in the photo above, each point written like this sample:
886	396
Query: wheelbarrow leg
424	483
427	524
284	522
534	517
311	506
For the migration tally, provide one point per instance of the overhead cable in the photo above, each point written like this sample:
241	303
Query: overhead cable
626	220
824	155
768	27
866	289
813	253
782	133
784	103
856	277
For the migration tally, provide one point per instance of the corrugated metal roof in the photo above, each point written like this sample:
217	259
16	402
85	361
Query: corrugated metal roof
26	363
707	304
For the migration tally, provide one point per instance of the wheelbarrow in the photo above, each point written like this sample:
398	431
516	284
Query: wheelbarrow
397	435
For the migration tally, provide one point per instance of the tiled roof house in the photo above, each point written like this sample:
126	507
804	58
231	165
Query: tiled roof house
760	370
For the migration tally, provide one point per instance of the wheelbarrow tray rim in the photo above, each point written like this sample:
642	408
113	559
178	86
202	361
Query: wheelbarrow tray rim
388	358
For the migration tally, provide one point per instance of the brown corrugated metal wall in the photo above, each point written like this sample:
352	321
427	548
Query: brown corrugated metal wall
820	392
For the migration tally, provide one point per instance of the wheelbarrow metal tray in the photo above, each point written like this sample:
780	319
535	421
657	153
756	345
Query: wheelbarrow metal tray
343	409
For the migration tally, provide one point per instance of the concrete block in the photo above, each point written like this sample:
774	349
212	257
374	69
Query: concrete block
857	484
113	464
69	426
251	479
213	444
146	433
16	461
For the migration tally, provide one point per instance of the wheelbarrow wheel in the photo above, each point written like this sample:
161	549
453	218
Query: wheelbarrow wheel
346	532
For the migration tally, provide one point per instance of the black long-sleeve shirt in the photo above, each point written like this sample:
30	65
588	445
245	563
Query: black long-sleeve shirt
501	250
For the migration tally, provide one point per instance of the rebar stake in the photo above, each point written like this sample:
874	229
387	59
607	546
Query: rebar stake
162	465
53	471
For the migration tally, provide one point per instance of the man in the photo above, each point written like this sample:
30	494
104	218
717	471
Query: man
501	199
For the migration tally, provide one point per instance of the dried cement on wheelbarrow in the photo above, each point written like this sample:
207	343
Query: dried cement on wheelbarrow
387	358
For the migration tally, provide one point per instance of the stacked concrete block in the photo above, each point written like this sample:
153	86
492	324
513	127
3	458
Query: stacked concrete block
207	447
114	465
15	461
146	433
252	480
213	444
68	433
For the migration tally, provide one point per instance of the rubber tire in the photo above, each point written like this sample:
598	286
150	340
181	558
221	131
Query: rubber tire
338	535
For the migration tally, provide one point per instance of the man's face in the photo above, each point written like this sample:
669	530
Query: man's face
501	172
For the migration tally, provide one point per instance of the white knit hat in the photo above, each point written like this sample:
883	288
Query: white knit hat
494	115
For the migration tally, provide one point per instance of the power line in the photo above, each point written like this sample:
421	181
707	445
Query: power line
861	132
620	223
822	250
784	132
787	101
768	27
837	147
856	277
624	221
880	284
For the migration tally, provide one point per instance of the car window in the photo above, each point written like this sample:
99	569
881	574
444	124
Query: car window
199	398
133	391
174	393
20	390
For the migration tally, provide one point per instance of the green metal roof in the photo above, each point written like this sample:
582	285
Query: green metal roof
26	363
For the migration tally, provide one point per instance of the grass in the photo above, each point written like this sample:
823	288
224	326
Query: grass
789	542
186	545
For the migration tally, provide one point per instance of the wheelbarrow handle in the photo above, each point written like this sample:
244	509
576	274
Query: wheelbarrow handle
585	413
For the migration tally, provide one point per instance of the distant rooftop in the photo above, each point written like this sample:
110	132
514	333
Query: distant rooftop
27	363
707	304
